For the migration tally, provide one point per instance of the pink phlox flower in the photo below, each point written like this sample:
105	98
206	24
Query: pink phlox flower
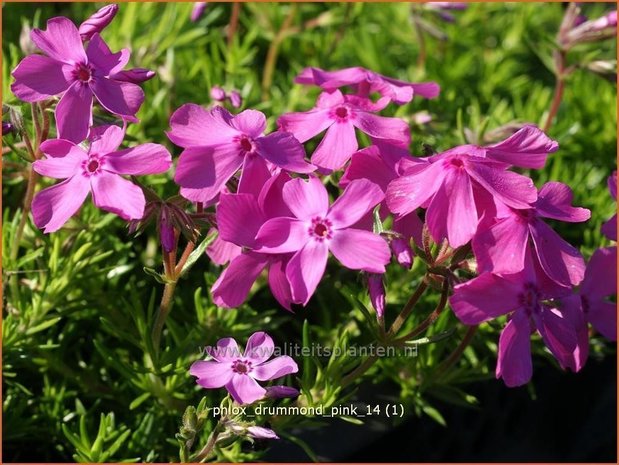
339	115
77	75
239	218
98	169
97	21
594	296
239	372
525	297
314	228
502	247
365	82
218	144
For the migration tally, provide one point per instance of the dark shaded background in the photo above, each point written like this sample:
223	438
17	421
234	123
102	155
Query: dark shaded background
572	419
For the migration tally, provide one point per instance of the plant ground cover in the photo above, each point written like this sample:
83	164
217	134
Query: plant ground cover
81	377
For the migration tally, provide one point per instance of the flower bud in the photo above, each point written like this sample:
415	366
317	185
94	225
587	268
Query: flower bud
218	94
25	42
7	128
98	21
135	75
235	99
376	290
198	10
258	432
280	392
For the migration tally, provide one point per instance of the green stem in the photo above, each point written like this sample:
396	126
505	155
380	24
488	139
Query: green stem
359	371
408	308
209	446
234	21
425	324
271	59
457	353
164	310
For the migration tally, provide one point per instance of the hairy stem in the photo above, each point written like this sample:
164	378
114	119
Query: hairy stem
164	309
425	324
457	353
234	22
408	308
560	57
209	446
271	59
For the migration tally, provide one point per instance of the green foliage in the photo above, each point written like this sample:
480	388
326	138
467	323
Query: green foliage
81	378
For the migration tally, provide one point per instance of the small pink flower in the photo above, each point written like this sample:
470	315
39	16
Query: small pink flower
365	82
339	115
240	372
217	144
596	290
78	75
501	248
99	170
198	10
525	297
314	228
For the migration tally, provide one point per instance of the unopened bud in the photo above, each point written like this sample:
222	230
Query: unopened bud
98	21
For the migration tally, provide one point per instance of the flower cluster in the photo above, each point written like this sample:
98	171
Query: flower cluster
277	209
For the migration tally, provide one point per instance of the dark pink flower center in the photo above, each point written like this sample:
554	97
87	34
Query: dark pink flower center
456	163
246	144
529	298
320	229
242	367
93	165
82	72
341	112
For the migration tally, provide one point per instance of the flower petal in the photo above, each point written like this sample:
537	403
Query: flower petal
360	250
306	199
221	252
233	285
244	389
559	335
239	218
359	197
560	261
252	123
336	147
382	127
485	297
63	160
38	77
462	216
514	361
115	194
211	374
609	228
74	113
283	150
193	125
511	188
104	60
259	347
140	160
120	98
204	171
554	200
52	207
368	164
278	283
105	139
603	317
601	274
527	148
276	368
226	350
282	235
501	248
61	41
409	192
305	269
305	125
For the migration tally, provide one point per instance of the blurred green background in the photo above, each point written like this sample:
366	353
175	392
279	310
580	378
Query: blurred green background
72	334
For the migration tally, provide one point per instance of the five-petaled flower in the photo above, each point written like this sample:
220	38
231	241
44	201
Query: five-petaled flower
98	170
315	228
77	75
239	372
